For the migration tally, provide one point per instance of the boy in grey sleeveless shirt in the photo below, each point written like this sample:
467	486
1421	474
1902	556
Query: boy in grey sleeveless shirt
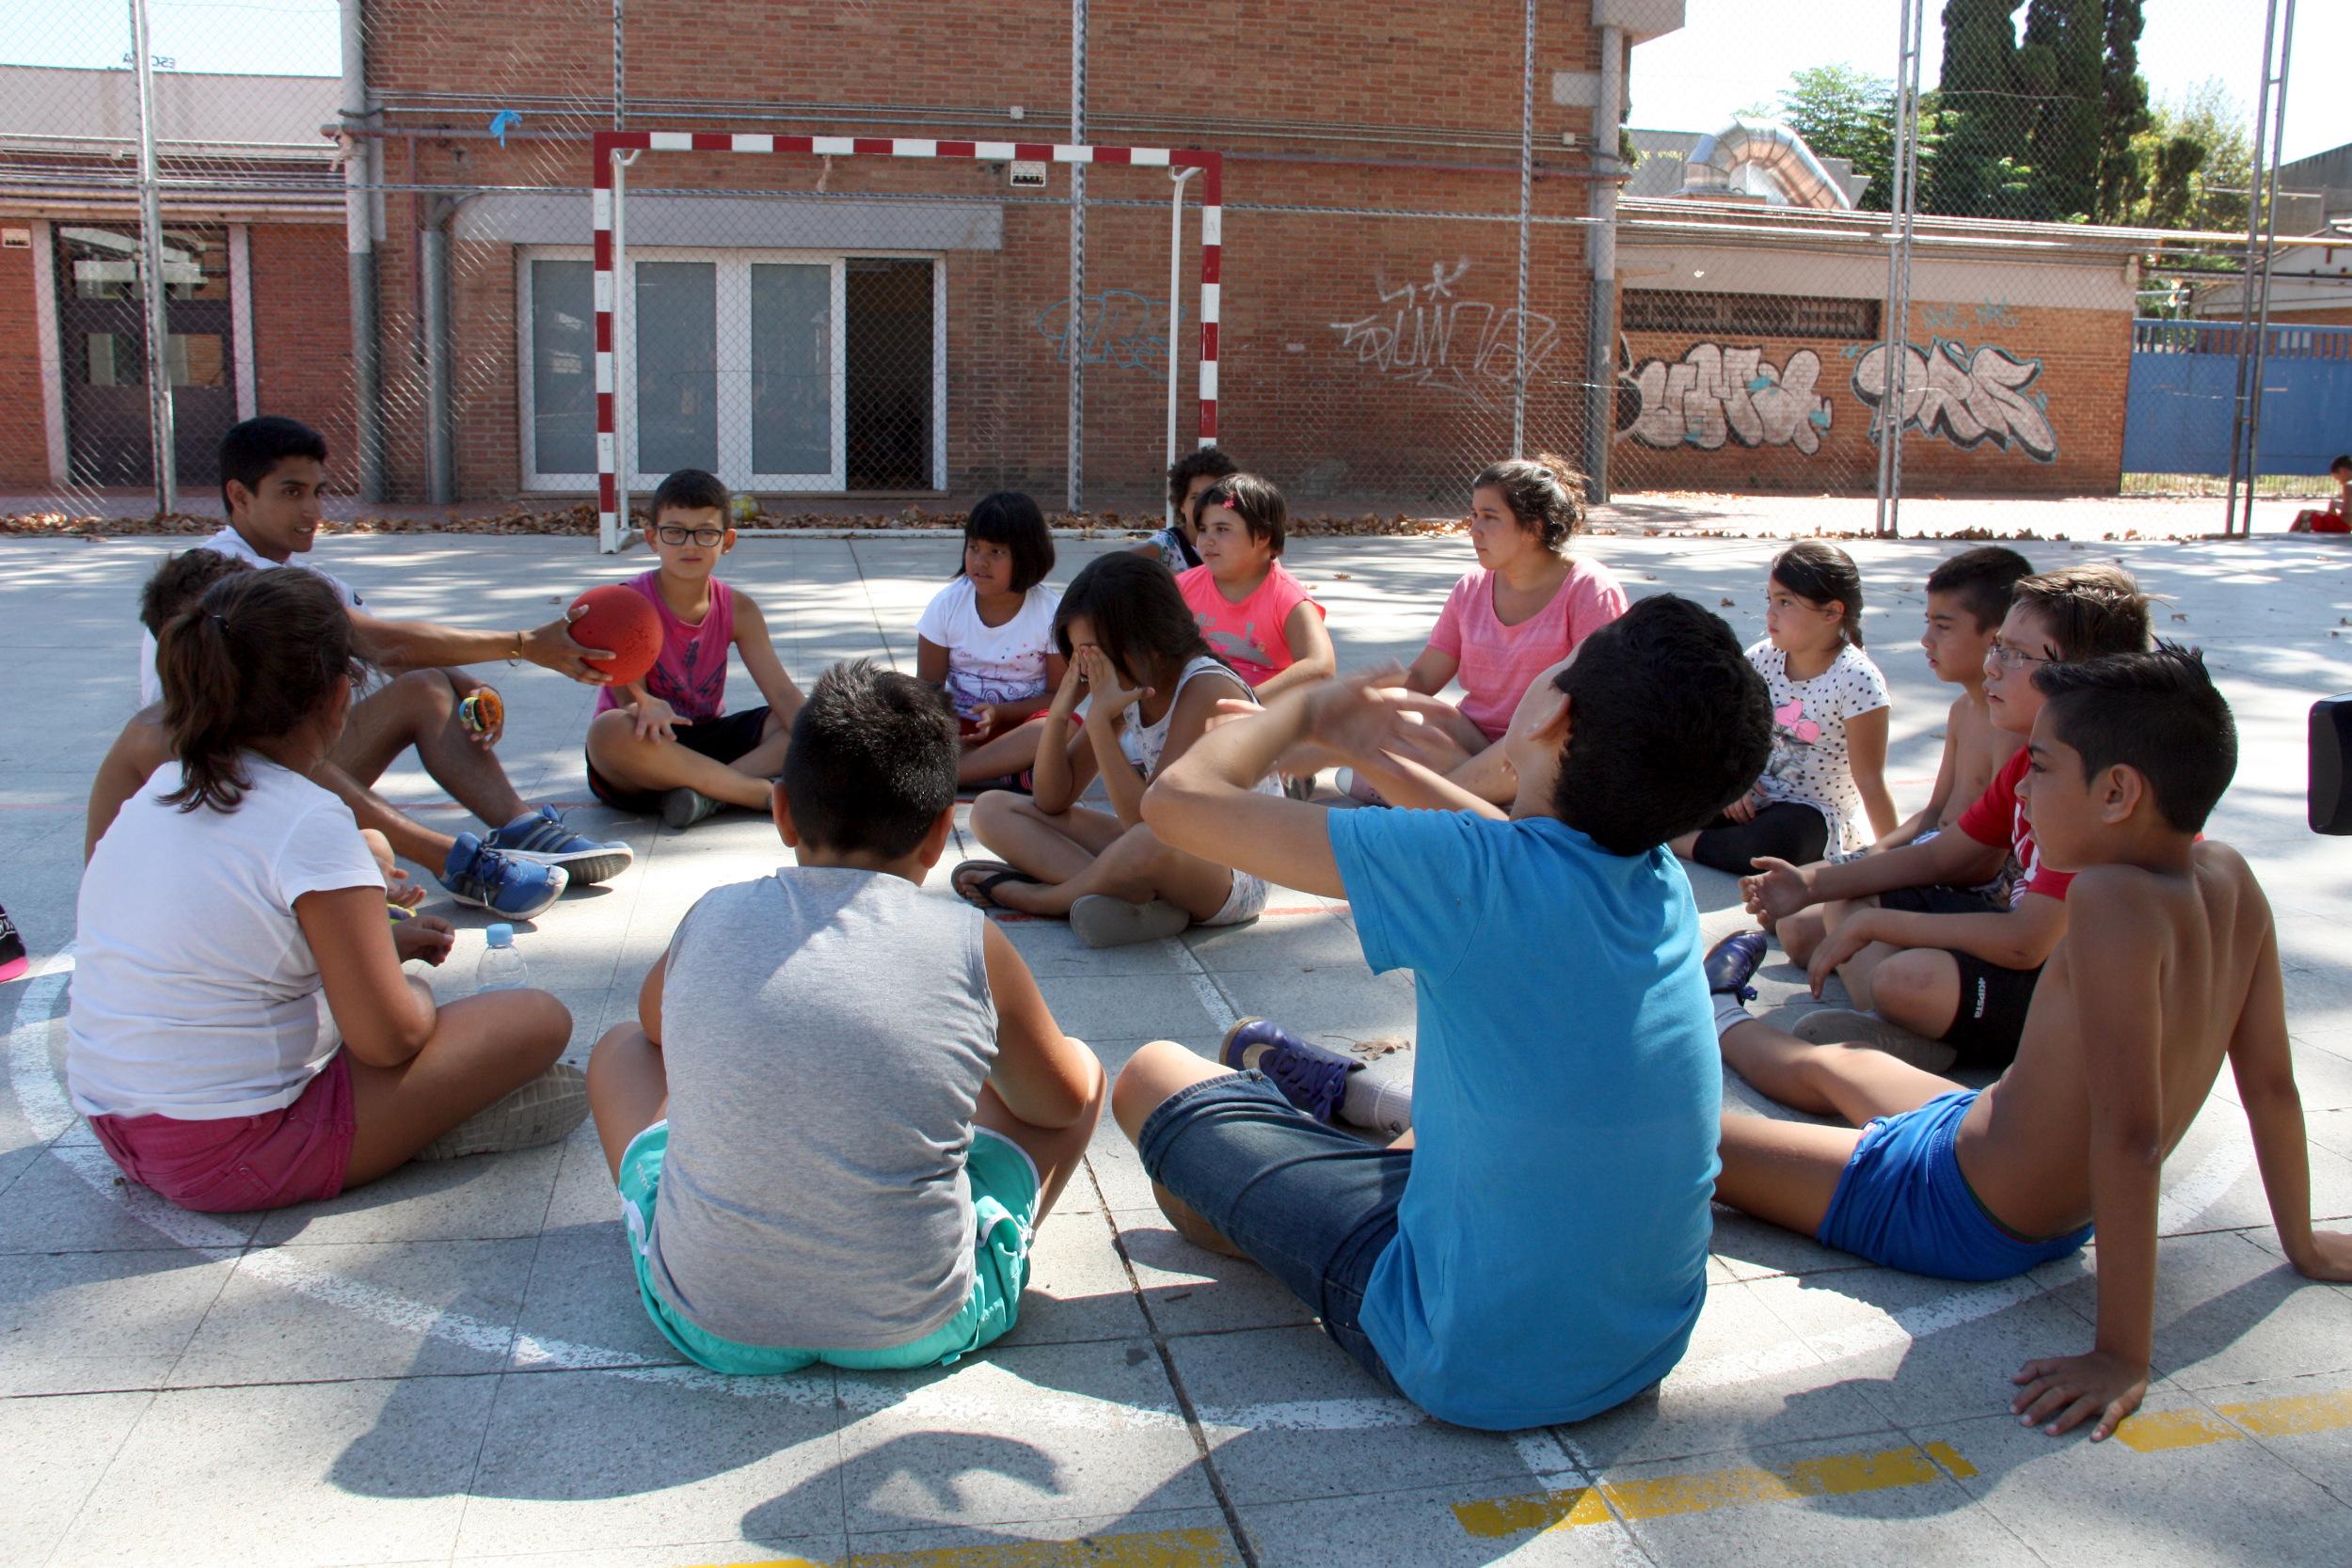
844	1107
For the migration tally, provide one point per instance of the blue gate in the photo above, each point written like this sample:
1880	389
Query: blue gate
2184	389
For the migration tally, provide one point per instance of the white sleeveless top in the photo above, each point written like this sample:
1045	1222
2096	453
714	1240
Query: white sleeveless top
1141	743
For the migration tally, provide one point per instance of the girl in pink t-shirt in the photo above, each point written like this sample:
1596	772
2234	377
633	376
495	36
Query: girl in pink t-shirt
1255	616
1523	609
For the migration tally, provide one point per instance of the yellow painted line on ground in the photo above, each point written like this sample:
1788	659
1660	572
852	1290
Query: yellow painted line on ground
1703	1491
2284	1417
1165	1549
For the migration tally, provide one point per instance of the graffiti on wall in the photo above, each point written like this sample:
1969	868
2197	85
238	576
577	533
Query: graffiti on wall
1425	334
1116	327
1714	394
1967	396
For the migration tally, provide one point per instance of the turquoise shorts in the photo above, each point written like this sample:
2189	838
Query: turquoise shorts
1004	1188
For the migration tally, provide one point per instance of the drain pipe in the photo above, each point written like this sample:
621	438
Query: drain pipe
359	241
1600	334
433	272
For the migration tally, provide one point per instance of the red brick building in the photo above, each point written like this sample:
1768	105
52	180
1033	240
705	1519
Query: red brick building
885	330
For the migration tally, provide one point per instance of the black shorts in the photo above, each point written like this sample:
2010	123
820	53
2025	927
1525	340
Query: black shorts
1786	830
722	739
1937	898
1991	1016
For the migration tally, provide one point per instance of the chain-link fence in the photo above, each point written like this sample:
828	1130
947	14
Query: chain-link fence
392	239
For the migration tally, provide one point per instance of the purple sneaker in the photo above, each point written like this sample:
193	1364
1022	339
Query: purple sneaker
1310	1077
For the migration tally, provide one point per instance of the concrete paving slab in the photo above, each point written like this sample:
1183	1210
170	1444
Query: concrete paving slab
72	1201
2230	1312
1190	1291
1079	1290
78	1323
1161	1537
2073	1501
1039	1432
304	1474
1289	1417
583	1294
259	1331
483	1197
57	1449
589	1461
1422	1526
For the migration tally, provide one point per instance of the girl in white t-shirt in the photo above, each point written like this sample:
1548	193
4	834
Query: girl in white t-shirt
1828	765
241	1033
987	637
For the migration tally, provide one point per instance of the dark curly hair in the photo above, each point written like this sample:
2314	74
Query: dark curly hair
1545	494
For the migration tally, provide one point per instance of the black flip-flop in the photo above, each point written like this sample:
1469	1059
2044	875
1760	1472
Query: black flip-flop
981	895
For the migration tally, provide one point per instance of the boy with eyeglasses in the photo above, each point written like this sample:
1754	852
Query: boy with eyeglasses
1913	932
666	742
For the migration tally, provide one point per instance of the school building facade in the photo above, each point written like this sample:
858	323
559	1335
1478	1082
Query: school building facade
860	333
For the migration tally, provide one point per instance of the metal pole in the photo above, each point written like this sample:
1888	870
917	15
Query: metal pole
1601	324
1175	308
1527	191
367	372
2241	459
623	360
1077	255
2267	192
154	290
439	449
1893	380
620	69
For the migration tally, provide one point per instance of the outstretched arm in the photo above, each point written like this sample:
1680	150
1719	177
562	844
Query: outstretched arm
402	645
2263	1062
760	661
2113	966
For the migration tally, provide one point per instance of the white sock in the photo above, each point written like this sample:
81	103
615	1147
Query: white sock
1731	1012
1383	1104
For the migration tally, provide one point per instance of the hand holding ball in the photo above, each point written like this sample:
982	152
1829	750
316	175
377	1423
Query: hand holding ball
618	619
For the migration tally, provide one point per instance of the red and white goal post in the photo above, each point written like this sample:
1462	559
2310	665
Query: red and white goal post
607	199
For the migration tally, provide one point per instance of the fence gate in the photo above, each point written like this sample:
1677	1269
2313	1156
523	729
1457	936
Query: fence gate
2184	382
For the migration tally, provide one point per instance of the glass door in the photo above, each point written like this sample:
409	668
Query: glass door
102	331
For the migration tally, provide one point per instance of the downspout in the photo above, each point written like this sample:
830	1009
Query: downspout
359	241
1600	331
439	449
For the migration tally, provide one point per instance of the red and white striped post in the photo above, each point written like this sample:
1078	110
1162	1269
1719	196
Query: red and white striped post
1211	164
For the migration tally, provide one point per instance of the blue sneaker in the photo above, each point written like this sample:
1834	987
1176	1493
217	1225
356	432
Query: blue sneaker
542	838
1310	1077
1732	961
517	889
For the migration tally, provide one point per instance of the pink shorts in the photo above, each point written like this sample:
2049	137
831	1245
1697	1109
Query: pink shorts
290	1155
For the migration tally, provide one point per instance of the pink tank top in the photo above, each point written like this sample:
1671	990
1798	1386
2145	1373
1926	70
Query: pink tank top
692	674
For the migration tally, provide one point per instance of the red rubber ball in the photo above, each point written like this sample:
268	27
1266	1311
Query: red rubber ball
624	621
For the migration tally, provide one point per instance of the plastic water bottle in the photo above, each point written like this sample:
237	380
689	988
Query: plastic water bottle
502	966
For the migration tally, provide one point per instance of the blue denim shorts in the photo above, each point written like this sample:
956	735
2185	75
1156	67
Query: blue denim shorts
1312	1206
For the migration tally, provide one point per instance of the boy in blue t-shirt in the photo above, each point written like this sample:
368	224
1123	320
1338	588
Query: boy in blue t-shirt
1536	1250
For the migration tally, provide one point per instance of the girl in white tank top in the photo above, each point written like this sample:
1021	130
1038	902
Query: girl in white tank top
1128	637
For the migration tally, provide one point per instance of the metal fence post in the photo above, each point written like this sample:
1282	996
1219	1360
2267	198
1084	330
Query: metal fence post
1895	370
2262	233
1077	254
155	290
1527	191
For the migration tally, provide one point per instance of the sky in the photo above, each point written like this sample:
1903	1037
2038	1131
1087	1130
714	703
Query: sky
1729	54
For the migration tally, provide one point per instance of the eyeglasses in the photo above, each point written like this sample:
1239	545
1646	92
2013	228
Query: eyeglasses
2010	657
676	534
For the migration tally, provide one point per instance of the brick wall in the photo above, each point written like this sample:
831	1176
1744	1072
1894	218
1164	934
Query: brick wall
302	333
24	444
1697	434
1423	378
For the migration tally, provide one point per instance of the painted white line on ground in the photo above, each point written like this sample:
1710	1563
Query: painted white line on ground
2191	1195
1204	987
37	1087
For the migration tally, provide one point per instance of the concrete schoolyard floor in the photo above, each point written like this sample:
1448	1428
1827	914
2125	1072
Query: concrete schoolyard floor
451	1365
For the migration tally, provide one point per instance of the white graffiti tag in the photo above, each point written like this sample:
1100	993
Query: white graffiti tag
1422	334
1713	394
1967	397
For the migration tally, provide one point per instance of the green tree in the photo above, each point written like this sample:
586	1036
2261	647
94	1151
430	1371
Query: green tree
2122	174
1843	112
1979	95
2061	66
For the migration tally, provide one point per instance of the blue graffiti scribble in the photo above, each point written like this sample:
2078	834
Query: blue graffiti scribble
1116	327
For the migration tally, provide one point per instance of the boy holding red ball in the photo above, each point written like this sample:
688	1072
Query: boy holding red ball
665	741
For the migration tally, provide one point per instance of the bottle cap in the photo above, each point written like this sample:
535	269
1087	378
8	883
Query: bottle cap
500	935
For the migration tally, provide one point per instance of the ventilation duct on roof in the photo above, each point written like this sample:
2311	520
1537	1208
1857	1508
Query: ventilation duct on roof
1768	145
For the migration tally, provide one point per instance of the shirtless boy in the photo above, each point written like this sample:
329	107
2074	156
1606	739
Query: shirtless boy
2170	965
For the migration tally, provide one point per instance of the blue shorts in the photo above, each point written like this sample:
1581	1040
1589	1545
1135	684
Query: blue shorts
1312	1206
1004	1196
1901	1202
